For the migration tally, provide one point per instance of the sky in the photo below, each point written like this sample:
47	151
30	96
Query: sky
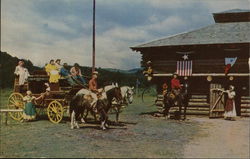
40	30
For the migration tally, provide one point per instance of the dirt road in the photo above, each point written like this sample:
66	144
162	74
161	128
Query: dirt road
220	138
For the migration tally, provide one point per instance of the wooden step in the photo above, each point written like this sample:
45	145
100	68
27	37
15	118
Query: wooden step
199	96
197	100
160	96
245	97
198	104
245	101
245	104
245	114
191	112
245	110
188	108
159	105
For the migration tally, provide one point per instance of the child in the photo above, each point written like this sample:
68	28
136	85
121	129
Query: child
164	88
29	112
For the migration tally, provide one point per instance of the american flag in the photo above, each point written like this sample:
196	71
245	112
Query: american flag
184	68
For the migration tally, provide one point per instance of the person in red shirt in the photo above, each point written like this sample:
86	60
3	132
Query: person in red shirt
175	84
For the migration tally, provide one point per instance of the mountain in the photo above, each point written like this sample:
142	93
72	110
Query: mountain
106	76
131	71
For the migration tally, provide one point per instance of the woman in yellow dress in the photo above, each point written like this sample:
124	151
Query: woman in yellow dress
52	71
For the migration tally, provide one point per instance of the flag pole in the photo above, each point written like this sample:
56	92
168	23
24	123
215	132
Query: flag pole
93	46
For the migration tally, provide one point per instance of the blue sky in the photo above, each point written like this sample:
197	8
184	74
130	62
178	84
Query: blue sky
41	30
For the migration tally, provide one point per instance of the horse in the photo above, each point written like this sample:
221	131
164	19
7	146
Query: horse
89	109
127	94
170	100
77	106
127	98
80	102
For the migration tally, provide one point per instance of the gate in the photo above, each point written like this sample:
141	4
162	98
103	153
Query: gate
216	101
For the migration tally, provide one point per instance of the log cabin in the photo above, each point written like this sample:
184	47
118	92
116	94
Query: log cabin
214	56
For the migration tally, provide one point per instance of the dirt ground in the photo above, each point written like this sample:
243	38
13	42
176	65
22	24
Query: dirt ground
218	138
139	134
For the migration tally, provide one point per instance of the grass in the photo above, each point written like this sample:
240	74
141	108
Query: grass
137	135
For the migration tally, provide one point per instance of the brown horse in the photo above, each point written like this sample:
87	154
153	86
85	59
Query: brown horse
80	102
170	99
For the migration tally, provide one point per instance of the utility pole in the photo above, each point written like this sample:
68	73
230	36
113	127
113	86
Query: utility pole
93	48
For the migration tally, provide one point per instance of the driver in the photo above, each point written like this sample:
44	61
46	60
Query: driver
93	88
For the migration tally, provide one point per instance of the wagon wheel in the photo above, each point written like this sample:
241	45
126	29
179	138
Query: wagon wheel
15	101
55	111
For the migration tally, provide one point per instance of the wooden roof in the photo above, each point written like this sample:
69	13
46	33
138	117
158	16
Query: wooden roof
218	33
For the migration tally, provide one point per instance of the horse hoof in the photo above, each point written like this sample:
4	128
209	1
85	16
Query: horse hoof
72	127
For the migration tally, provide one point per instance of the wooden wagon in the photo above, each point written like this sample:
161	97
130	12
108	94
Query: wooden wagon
55	104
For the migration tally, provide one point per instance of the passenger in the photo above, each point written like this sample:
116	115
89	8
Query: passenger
58	64
76	74
64	72
22	73
52	71
29	112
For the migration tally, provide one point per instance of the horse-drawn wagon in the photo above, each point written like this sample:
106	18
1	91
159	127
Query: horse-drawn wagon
55	103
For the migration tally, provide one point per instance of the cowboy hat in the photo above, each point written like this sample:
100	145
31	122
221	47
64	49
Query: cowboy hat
175	73
149	62
95	73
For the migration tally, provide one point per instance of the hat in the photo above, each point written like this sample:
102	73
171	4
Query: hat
29	92
58	60
231	87
76	65
175	73
95	73
149	62
20	62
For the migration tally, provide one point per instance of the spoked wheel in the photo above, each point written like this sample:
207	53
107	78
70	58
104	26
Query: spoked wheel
55	111
16	102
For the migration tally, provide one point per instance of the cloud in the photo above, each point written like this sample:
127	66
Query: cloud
222	5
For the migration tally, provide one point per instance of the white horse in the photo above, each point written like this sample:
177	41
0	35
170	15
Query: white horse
127	94
127	98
